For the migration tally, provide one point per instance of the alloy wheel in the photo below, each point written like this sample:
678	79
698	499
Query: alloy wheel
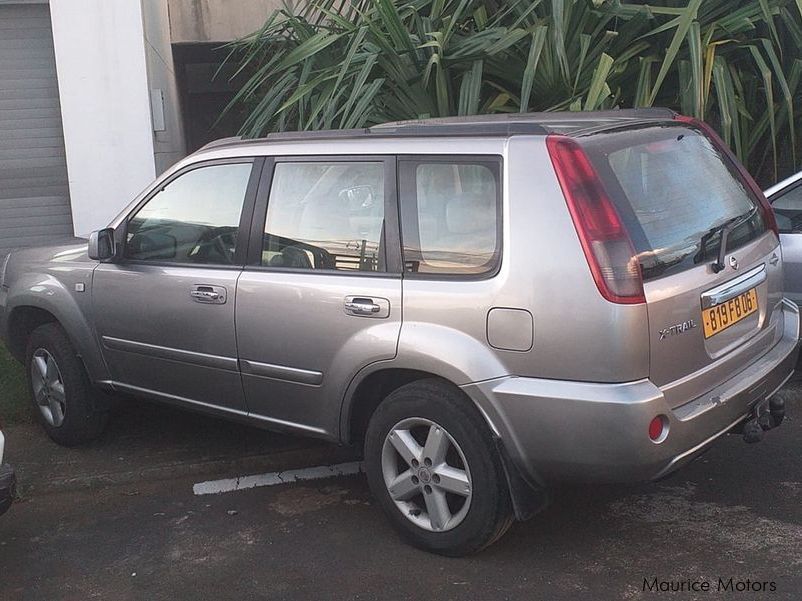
426	474
48	387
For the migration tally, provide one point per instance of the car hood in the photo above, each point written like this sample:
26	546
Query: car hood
69	251
72	252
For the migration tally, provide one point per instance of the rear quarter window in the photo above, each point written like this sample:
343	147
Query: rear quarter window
450	215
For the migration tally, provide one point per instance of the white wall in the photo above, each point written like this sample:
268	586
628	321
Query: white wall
218	20
105	105
169	141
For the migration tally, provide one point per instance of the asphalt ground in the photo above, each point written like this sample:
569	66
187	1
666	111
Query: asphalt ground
119	520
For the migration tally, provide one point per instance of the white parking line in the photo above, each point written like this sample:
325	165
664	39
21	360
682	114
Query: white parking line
215	487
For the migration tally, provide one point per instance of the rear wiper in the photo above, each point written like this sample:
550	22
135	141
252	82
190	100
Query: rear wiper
725	229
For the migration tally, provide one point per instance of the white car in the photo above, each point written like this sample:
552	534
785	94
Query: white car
7	480
786	199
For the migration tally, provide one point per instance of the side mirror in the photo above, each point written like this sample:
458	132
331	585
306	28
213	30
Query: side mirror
101	245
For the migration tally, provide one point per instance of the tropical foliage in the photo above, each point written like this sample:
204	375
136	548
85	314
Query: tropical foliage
353	63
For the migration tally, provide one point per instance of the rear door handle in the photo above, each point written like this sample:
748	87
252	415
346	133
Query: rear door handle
361	306
208	295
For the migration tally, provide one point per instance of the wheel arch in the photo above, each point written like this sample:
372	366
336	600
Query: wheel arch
22	321
374	383
425	350
37	300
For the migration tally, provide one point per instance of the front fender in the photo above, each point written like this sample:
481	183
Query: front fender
59	297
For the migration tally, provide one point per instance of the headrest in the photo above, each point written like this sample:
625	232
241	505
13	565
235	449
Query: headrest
470	213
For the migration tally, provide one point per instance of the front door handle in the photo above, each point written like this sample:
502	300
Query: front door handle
361	306
208	295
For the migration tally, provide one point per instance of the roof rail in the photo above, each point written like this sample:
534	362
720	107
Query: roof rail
418	129
498	125
222	142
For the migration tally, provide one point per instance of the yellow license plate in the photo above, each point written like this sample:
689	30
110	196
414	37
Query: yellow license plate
720	317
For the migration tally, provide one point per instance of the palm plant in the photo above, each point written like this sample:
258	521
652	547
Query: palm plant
354	63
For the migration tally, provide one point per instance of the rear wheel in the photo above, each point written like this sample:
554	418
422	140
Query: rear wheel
432	465
65	403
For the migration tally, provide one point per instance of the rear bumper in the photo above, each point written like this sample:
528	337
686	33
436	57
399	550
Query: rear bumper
8	482
578	431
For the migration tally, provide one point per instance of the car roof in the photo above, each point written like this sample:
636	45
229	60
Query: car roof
779	186
498	125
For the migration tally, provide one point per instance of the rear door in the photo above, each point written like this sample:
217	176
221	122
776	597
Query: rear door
680	195
787	205
321	296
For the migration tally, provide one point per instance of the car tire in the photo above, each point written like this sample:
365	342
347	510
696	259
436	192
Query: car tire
64	402
415	413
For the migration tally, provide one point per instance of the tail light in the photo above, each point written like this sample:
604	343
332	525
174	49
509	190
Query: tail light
746	178
605	241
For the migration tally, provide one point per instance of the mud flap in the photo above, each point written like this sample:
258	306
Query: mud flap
527	500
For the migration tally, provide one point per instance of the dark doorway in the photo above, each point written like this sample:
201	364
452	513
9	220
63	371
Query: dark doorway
205	92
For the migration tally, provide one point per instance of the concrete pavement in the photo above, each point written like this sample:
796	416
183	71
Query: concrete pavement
734	515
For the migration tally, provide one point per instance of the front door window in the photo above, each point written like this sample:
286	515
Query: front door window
194	219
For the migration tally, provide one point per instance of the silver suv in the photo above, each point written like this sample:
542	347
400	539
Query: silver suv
487	304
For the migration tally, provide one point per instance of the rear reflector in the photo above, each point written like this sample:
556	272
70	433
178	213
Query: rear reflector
657	428
605	241
746	178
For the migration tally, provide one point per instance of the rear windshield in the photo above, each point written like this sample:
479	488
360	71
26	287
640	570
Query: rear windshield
675	193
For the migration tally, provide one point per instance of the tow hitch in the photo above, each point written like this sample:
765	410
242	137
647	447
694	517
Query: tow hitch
764	417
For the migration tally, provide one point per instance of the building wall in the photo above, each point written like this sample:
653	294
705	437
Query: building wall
193	21
105	105
168	134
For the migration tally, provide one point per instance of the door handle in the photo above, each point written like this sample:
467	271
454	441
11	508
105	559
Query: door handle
210	295
362	306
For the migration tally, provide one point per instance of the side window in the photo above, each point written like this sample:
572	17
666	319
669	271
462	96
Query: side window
450	212
788	209
326	215
193	219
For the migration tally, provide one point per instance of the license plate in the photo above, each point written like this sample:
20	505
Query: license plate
720	317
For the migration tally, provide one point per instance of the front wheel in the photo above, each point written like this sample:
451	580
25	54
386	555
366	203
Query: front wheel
63	399
432	465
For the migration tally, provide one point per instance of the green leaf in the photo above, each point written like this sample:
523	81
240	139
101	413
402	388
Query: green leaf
470	90
558	26
597	83
359	82
695	78
317	43
538	38
786	90
391	19
683	25
584	44
769	93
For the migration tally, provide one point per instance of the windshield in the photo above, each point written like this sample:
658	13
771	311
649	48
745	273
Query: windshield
676	192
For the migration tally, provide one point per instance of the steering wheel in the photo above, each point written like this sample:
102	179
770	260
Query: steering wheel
219	242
